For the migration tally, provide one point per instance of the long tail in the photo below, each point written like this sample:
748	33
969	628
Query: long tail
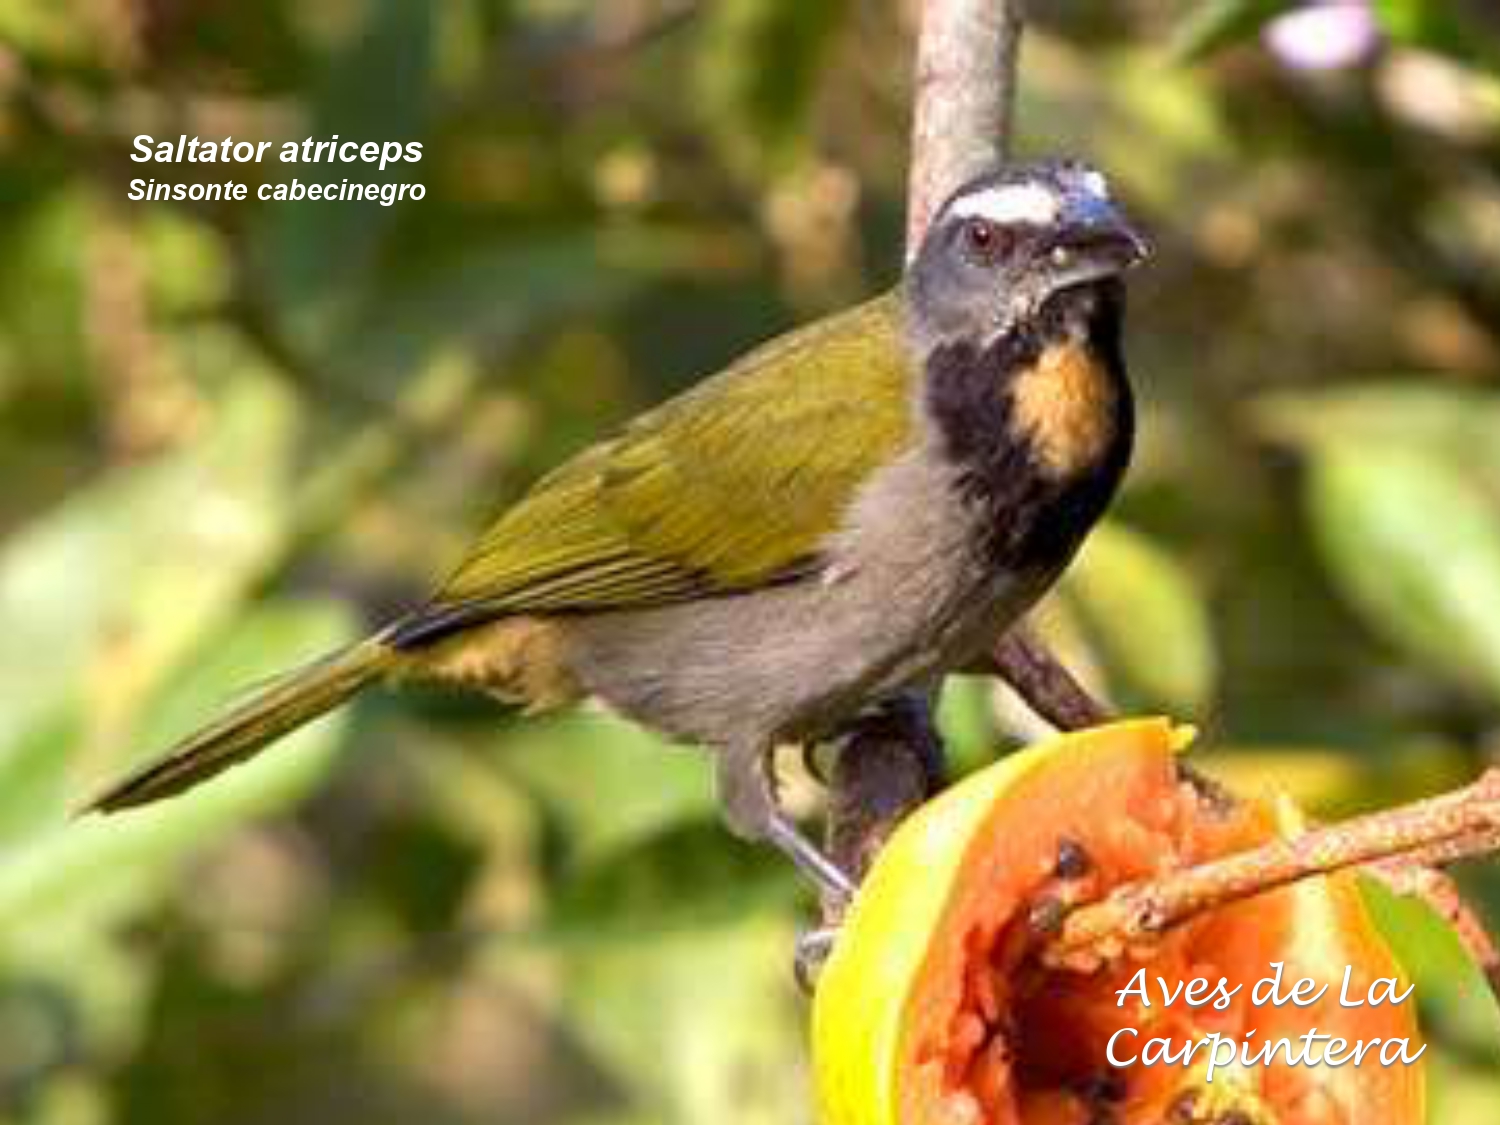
290	701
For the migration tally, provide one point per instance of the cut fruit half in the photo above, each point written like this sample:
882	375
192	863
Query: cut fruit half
934	1006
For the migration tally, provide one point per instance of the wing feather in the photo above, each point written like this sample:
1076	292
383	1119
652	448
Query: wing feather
732	485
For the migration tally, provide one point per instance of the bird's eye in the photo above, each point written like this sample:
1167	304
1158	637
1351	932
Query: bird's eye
984	240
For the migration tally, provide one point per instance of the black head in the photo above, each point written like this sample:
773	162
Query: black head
1006	243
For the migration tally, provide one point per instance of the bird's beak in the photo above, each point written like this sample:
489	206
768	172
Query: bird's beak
1092	240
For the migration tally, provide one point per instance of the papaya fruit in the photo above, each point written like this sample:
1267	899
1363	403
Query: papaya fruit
936	1008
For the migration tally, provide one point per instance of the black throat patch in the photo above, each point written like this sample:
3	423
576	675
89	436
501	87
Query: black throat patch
1036	517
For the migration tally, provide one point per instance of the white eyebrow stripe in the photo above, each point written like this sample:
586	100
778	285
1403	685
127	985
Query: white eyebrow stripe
1095	184
1013	203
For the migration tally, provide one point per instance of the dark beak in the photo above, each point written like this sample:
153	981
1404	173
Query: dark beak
1093	240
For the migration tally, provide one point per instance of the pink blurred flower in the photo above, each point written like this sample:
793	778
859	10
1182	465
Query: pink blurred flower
1327	35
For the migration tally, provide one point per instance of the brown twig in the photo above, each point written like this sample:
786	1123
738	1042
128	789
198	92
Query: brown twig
1422	879
1042	682
1457	825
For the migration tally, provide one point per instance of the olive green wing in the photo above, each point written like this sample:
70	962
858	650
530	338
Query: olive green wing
731	485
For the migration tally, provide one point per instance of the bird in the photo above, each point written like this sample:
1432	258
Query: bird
847	513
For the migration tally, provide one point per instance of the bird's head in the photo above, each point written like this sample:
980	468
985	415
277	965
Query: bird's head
1005	244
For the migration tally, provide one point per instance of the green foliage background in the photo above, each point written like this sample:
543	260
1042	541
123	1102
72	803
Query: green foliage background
229	434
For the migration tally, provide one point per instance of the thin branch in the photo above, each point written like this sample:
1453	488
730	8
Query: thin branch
1043	683
965	100
1421	879
1458	825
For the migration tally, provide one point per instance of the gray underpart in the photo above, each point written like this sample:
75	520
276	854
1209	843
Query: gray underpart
907	595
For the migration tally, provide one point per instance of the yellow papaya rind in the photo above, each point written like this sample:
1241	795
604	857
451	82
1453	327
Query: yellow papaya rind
865	1003
860	1009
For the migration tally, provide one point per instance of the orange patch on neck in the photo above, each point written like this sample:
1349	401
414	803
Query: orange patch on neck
1065	404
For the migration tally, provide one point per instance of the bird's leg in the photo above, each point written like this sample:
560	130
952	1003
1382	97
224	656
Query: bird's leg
747	794
809	858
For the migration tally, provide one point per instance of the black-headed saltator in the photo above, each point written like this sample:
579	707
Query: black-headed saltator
849	512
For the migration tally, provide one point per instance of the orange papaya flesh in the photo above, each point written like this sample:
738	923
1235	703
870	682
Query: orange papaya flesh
935	1006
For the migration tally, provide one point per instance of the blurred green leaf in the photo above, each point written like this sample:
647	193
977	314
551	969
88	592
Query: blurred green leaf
1215	24
1459	1091
120	572
607	784
493	293
682	880
80	873
187	264
42	288
758	70
34	775
66	886
1330	781
966	721
1404	19
703	1027
1415	546
1435	25
322	255
1450	988
1314	777
1459	426
1146	616
57	30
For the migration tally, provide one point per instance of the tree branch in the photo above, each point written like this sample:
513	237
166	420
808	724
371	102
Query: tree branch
1042	682
1458	825
887	765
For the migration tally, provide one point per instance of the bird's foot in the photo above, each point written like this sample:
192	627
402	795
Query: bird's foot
810	955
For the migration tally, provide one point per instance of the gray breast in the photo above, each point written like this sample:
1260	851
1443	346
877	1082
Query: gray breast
907	593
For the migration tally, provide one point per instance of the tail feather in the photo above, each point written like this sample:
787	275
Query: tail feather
282	706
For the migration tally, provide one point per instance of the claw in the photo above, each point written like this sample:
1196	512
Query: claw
813	762
811	953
